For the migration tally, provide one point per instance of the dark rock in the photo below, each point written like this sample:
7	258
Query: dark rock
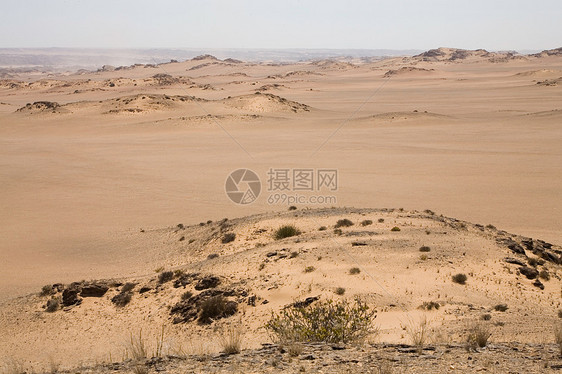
306	302
271	254
70	297
94	290
530	273
145	289
185	279
528	243
207	282
516	248
538	283
511	260
357	244
252	300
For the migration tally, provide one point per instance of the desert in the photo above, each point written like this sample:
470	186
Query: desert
116	231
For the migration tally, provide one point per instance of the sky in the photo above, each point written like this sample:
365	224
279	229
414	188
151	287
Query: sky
279	24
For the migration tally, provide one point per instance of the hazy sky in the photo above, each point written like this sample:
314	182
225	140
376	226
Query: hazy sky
370	24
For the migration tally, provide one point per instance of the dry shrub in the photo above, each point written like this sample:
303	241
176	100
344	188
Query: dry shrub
478	335
418	332
231	338
343	223
324	321
286	231
460	278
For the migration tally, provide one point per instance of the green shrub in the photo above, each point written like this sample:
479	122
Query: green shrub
460	278
323	321
286	232
343	223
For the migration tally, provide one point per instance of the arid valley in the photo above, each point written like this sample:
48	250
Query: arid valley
113	187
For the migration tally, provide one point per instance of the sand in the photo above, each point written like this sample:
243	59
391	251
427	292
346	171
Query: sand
477	138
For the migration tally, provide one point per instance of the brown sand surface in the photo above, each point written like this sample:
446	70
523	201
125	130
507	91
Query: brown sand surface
150	147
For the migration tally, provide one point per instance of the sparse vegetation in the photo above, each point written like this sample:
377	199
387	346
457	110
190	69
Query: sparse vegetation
122	299
53	304
430	305
366	222
231	338
338	231
500	307
292	207
459	278
128	287
322	228
228	237
558	335
343	223
478	335
309	269
381	220
340	291
423	257
46	290
216	307
418	333
425	248
395	228
354	271
294	254
165	276
186	295
286	231
486	317
212	256
324	321
544	275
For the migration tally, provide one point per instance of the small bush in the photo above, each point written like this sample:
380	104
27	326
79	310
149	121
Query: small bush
286	231
460	278
309	269
339	291
381	220
500	307
338	231
212	256
292	207
395	228
366	222
165	276
486	317
478	335
425	248
430	305
53	304
354	271
418	333
122	299
294	254
558	335
231	339
47	290
186	295
343	223
423	257
216	307
533	262
322	228
228	237
323	321
491	227
128	287
544	275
